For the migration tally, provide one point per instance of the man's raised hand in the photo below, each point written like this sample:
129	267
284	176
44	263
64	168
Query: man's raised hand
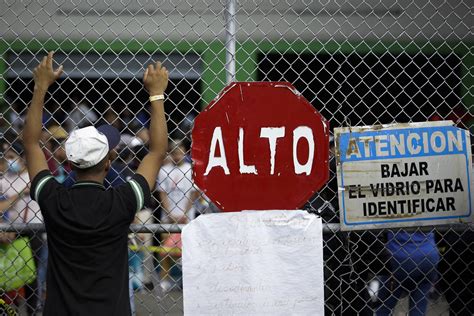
44	75
155	79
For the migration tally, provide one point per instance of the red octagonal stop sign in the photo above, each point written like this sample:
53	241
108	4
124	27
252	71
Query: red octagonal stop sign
260	146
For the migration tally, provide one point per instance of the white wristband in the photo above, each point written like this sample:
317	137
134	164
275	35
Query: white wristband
157	97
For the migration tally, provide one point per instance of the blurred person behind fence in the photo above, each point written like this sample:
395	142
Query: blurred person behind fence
62	170
6	202
80	113
7	297
15	181
177	196
141	260
413	262
87	225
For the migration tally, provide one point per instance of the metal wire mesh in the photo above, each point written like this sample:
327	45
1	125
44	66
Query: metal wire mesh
358	62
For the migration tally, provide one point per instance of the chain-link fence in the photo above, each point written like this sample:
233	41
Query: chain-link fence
358	62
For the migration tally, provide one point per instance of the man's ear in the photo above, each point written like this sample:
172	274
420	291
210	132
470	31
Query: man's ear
108	163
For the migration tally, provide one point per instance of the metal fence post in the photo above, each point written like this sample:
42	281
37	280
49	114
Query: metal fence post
230	31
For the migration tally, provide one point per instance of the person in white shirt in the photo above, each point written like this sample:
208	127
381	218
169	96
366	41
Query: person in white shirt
14	182
177	196
176	187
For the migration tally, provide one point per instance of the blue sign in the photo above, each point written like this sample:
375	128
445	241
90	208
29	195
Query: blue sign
403	175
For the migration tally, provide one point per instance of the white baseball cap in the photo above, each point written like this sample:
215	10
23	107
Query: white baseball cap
86	147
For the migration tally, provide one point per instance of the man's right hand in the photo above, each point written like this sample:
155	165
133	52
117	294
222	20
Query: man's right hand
155	79
44	75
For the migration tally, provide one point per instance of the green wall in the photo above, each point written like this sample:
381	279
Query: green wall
213	55
248	51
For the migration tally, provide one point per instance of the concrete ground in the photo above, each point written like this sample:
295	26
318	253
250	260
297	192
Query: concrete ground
172	304
438	307
148	303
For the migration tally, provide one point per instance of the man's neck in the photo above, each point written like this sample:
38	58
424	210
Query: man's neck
98	179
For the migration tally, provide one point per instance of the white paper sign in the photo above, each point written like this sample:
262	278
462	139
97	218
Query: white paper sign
253	263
